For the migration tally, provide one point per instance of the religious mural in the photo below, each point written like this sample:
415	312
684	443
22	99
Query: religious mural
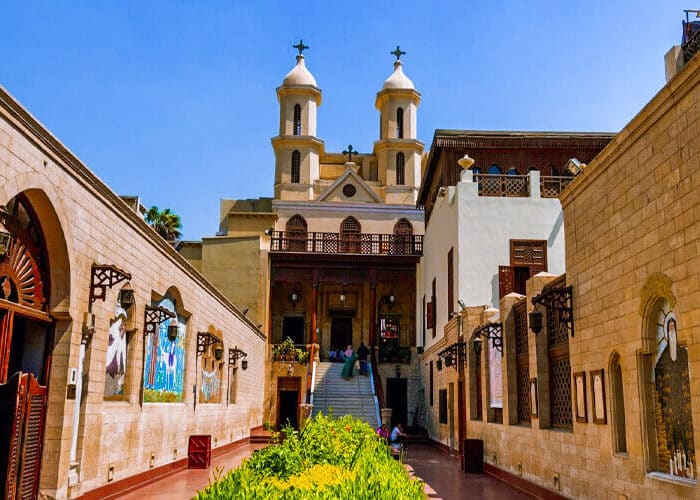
164	363
674	424
212	369
116	362
495	377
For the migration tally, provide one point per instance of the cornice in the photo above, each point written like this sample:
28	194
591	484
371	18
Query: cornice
308	90
675	90
297	140
343	208
34	132
385	94
383	144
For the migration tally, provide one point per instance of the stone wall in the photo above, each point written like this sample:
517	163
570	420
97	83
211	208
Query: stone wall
85	223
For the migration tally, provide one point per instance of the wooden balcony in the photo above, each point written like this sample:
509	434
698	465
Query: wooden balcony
552	186
518	186
337	243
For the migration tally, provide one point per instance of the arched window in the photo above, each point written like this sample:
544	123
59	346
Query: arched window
296	161
512	171
399	123
403	238
495	170
350	235
553	170
617	406
296	234
297	120
400	169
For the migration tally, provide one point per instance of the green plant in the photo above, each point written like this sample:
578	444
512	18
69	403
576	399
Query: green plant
329	458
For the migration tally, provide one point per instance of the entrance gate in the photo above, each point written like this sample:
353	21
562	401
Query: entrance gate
25	343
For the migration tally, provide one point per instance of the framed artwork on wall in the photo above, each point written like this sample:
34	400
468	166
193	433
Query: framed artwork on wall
580	396
598	392
533	397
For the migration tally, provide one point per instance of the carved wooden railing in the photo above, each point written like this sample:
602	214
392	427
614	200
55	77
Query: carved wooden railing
503	185
552	186
337	243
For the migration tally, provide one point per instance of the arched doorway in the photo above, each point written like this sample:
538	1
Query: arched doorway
26	332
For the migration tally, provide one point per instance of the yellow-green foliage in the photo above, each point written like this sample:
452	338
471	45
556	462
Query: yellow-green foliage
330	458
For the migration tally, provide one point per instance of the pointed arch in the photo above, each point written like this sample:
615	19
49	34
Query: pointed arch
617	405
297	120
403	228
399	123
350	234
495	170
400	169
297	231
296	167
402	242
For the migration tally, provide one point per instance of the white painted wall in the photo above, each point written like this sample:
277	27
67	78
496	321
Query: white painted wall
480	229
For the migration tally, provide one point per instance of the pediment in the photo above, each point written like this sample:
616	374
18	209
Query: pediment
349	188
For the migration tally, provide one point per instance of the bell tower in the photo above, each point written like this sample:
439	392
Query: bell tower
297	149
398	149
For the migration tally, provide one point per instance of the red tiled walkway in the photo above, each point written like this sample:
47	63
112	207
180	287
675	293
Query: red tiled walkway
184	485
444	478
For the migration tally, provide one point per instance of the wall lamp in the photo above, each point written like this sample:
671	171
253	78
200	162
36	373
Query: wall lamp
126	296
153	317
173	330
476	344
535	320
204	340
493	332
560	299
461	304
236	353
5	235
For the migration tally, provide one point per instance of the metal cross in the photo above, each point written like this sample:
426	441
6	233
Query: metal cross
300	46
398	53
350	152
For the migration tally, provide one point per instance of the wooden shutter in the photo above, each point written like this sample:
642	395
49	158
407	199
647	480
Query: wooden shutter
505	280
12	401
531	253
34	416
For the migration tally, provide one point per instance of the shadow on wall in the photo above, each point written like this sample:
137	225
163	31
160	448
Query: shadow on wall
495	290
556	229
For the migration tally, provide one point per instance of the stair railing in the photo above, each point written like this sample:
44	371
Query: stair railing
374	393
311	374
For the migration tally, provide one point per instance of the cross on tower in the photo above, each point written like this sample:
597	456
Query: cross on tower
350	152
398	53
300	47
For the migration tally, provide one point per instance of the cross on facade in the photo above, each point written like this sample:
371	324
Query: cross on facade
350	152
300	47
398	53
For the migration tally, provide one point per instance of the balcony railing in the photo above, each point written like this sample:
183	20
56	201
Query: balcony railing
503	185
337	243
551	187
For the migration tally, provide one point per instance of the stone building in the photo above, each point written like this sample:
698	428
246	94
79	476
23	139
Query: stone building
114	350
331	258
596	366
488	230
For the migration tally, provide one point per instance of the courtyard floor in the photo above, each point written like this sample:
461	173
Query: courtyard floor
441	473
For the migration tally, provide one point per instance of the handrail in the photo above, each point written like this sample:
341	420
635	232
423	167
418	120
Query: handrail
503	185
551	186
310	374
374	393
335	243
313	383
377	379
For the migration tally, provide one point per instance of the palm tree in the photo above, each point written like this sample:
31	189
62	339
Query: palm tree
165	222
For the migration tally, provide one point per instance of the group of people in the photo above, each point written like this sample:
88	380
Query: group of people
395	439
349	357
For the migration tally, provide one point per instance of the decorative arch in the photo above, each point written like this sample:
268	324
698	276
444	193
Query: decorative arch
512	171
617	405
403	228
494	170
350	234
297	232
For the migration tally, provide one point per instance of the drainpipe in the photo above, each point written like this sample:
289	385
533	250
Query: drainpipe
85	338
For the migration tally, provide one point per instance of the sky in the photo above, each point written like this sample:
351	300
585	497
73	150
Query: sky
174	101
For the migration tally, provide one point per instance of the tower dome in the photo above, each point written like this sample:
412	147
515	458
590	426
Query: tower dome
398	80
299	75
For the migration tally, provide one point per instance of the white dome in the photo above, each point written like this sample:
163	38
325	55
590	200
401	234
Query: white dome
398	80
299	74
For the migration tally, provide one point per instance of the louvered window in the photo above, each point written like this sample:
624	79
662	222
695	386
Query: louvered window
522	362
400	169
297	120
296	166
399	123
559	368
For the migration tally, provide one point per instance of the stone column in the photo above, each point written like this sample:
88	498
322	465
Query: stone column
314	307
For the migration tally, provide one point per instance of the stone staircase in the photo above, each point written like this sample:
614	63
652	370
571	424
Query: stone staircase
346	397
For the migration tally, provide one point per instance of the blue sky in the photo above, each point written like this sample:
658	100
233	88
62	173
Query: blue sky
175	101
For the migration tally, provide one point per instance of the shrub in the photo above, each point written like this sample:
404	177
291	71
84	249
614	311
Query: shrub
330	458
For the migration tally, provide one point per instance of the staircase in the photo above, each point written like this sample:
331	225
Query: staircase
346	397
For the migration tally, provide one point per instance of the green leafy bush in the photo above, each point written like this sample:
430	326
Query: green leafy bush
330	458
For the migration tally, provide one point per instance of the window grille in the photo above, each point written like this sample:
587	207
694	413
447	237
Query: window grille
399	123
297	120
443	406
522	363
296	161
400	169
350	235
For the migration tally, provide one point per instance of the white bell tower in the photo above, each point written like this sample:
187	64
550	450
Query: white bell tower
398	149
297	149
